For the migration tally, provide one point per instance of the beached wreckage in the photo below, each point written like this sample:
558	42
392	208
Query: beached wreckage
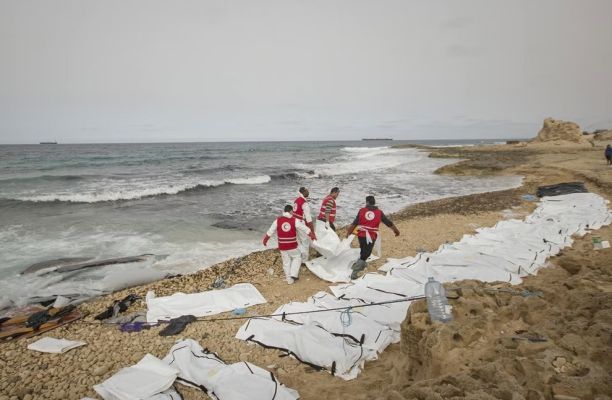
76	263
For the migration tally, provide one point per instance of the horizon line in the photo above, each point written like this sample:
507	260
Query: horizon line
267	141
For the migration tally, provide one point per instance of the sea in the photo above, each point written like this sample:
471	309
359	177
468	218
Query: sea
188	205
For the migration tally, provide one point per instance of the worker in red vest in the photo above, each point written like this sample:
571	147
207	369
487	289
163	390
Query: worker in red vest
301	211
286	228
327	214
367	222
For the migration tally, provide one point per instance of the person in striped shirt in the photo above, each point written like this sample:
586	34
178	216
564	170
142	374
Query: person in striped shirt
327	213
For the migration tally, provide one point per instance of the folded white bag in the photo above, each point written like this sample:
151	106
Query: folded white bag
150	377
52	345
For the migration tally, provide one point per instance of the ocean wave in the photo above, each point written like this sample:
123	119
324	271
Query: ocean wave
364	149
295	175
196	170
139	193
255	180
47	178
366	159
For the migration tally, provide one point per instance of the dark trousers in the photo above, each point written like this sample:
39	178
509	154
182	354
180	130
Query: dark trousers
365	247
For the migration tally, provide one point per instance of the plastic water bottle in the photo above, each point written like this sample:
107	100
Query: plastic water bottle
437	305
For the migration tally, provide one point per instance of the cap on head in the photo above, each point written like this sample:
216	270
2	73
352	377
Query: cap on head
370	200
288	208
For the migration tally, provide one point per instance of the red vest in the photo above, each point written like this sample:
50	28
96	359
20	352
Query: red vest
298	208
287	233
332	214
369	220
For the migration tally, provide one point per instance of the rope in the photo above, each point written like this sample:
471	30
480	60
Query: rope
345	315
345	309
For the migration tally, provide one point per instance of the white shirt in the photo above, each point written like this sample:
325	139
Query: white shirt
299	225
306	208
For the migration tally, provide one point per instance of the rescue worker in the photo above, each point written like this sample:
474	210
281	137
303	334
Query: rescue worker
286	228
327	214
367	221
301	211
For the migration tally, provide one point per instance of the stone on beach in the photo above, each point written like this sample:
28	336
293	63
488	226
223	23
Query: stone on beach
557	130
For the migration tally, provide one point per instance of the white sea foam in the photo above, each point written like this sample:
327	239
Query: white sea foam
103	191
367	159
364	149
19	290
255	180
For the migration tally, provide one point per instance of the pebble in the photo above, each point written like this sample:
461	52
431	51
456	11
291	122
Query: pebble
559	361
11	354
101	370
22	392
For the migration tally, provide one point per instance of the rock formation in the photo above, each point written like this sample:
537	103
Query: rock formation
557	130
603	135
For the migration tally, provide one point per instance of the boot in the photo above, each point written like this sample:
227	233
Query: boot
357	267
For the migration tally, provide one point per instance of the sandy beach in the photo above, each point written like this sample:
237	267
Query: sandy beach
472	357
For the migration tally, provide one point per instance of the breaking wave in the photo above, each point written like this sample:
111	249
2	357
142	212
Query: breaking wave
134	193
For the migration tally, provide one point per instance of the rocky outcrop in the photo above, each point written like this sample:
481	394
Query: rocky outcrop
557	130
603	135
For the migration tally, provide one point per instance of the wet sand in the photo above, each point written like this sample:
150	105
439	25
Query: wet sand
472	357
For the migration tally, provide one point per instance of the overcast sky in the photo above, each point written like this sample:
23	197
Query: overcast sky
134	71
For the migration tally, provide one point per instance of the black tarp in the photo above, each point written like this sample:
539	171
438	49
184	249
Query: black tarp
561	188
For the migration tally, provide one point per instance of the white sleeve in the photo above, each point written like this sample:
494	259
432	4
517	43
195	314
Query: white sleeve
307	215
272	229
301	226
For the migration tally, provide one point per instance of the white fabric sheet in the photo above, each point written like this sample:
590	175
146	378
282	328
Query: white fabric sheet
52	345
338	257
202	304
506	252
239	381
375	336
310	344
512	248
390	315
328	243
148	378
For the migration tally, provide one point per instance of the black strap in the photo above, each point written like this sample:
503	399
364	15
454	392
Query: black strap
201	387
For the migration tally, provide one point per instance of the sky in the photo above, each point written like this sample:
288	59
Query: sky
208	70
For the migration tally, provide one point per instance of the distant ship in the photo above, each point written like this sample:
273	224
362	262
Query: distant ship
376	139
48	143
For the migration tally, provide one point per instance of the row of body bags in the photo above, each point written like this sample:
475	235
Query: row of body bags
340	341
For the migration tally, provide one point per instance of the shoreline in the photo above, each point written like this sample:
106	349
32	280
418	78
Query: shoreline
435	222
